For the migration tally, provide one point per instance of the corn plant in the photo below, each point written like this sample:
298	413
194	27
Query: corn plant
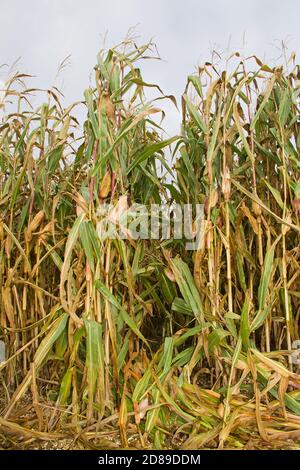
163	347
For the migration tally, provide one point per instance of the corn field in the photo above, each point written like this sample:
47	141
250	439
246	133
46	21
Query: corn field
141	343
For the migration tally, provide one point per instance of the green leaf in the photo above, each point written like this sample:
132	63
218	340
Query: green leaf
262	314
166	359
94	360
148	151
187	287
244	322
266	276
275	193
65	387
195	115
264	101
87	243
180	305
285	106
127	319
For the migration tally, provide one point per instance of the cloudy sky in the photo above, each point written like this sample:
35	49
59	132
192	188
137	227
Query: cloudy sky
44	32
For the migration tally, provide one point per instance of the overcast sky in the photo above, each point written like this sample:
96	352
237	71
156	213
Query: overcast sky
44	32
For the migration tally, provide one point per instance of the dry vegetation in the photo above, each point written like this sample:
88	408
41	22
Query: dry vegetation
137	343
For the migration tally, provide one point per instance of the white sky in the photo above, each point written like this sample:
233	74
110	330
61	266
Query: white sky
44	32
